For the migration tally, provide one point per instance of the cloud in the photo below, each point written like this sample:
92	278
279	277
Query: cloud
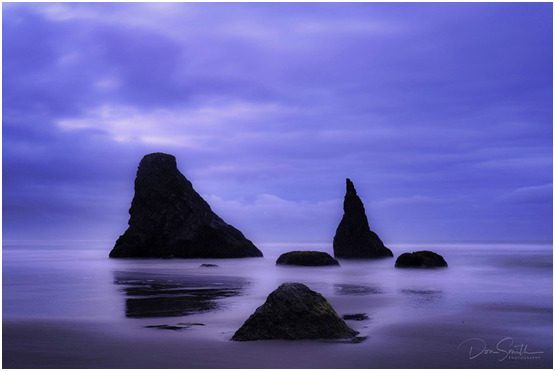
538	194
433	109
188	127
304	220
409	200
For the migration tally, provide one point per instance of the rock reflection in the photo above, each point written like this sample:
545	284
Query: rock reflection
172	295
348	289
421	292
421	296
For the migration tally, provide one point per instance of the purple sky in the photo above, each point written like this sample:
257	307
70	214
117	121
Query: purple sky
440	113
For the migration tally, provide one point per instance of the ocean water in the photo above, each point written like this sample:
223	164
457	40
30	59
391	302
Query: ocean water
70	306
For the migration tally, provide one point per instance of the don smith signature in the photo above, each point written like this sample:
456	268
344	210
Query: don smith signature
505	349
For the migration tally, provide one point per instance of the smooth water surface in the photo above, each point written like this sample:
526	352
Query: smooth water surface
71	306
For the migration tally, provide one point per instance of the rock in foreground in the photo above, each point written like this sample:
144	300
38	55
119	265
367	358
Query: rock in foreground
306	258
169	219
353	238
294	312
420	259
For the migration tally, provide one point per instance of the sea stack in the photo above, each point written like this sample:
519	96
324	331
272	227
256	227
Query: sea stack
169	219
353	238
294	312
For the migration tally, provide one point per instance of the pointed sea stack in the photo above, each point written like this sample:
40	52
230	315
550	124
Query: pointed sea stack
169	219
353	238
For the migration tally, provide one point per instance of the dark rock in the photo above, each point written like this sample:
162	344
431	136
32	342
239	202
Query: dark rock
306	258
178	327
165	327
190	324
293	312
358	339
207	265
420	259
355	317
168	218
353	238
353	340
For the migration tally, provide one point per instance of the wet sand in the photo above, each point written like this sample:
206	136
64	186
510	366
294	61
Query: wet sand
64	344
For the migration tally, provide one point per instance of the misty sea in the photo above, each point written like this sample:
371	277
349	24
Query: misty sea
69	305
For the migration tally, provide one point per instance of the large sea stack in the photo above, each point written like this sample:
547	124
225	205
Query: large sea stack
294	312
168	218
353	238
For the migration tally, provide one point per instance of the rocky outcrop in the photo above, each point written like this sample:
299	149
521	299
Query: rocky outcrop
353	238
294	312
306	258
420	259
168	218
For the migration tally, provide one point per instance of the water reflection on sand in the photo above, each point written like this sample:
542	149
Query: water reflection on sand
172	295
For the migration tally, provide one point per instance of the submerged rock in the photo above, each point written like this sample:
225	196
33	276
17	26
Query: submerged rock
353	238
208	265
293	312
306	258
169	219
420	259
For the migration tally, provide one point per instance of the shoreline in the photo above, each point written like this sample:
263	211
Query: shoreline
95	344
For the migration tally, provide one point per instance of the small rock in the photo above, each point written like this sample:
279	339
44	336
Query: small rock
355	317
420	259
358	339
178	327
207	265
306	258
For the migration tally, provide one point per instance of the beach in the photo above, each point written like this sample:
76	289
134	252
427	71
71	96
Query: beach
71	306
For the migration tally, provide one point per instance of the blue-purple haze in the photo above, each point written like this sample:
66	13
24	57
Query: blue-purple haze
440	113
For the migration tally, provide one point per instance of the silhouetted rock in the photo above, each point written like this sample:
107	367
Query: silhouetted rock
306	258
206	265
168	218
420	259
353	238
293	312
